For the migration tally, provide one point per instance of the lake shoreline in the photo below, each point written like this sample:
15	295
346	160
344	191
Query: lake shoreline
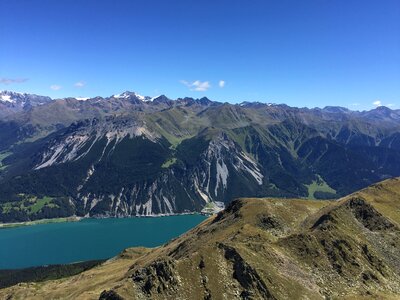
41	221
89	239
79	218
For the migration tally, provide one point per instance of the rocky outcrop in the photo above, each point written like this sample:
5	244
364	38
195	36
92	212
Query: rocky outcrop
253	286
158	277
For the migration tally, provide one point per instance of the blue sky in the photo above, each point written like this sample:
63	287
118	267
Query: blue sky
302	53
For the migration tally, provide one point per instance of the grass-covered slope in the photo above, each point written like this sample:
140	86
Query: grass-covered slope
259	249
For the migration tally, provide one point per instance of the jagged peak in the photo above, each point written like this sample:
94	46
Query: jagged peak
12	97
7	92
256	104
160	98
335	109
128	94
204	100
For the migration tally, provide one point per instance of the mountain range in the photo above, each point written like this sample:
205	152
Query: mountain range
132	155
255	249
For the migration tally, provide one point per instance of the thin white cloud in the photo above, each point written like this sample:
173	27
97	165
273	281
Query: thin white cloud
198	86
12	80
377	103
221	83
355	104
55	87
80	84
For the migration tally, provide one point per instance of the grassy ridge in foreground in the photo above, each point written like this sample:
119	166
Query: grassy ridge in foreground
258	249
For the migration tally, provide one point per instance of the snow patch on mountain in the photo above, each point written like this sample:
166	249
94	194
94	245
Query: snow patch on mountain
7	98
127	95
121	96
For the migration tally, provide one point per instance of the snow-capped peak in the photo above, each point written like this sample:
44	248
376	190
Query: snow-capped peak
7	98
126	95
82	98
140	97
119	96
10	97
6	92
151	99
21	100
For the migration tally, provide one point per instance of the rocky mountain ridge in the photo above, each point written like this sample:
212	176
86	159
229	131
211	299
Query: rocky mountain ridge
12	102
129	155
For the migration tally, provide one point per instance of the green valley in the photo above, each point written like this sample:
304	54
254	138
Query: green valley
319	189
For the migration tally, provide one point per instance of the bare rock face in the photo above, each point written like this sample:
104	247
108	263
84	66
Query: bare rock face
110	295
366	214
156	278
253	286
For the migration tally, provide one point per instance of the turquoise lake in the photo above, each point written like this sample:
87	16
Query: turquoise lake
59	243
